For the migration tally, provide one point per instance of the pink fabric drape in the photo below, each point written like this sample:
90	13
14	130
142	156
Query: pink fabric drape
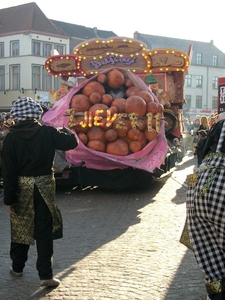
149	158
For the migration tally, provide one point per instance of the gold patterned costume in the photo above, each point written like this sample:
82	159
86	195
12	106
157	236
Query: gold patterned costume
22	224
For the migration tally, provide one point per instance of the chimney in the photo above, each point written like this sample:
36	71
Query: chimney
211	41
95	30
136	35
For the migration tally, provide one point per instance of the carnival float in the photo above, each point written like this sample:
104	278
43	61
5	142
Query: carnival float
124	127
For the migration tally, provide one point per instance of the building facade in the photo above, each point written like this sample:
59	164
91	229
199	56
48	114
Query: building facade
26	43
201	82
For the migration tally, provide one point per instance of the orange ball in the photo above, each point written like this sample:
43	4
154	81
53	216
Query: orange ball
152	107
150	135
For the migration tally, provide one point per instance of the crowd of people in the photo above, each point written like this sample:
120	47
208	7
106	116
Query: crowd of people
198	131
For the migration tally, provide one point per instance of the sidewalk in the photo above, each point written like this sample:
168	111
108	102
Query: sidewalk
117	245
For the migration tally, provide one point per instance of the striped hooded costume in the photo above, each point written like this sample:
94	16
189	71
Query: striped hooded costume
206	212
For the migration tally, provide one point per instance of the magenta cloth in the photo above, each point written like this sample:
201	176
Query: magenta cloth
150	157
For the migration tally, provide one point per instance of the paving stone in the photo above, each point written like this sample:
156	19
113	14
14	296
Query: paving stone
117	245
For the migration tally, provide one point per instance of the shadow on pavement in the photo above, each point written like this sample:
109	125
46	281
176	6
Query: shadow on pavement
97	222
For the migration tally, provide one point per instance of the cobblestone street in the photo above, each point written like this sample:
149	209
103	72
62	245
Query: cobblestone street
117	245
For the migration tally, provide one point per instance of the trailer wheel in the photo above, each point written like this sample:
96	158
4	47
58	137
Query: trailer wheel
171	121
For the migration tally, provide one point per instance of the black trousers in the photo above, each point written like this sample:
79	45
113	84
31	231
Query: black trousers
44	241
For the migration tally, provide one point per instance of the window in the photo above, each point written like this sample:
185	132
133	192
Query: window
188	80
188	100
1	49
48	47
57	83
15	77
215	60
14	48
187	106
2	78
199	58
47	81
198	81
214	102
198	101
215	82
36	77
36	48
60	49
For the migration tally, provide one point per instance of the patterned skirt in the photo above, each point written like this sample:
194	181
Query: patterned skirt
22	224
206	216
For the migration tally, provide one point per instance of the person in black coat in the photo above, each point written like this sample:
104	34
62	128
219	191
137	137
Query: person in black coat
202	136
29	187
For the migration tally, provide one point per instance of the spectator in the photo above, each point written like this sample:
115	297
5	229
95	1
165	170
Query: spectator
193	132
202	136
212	120
204	124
